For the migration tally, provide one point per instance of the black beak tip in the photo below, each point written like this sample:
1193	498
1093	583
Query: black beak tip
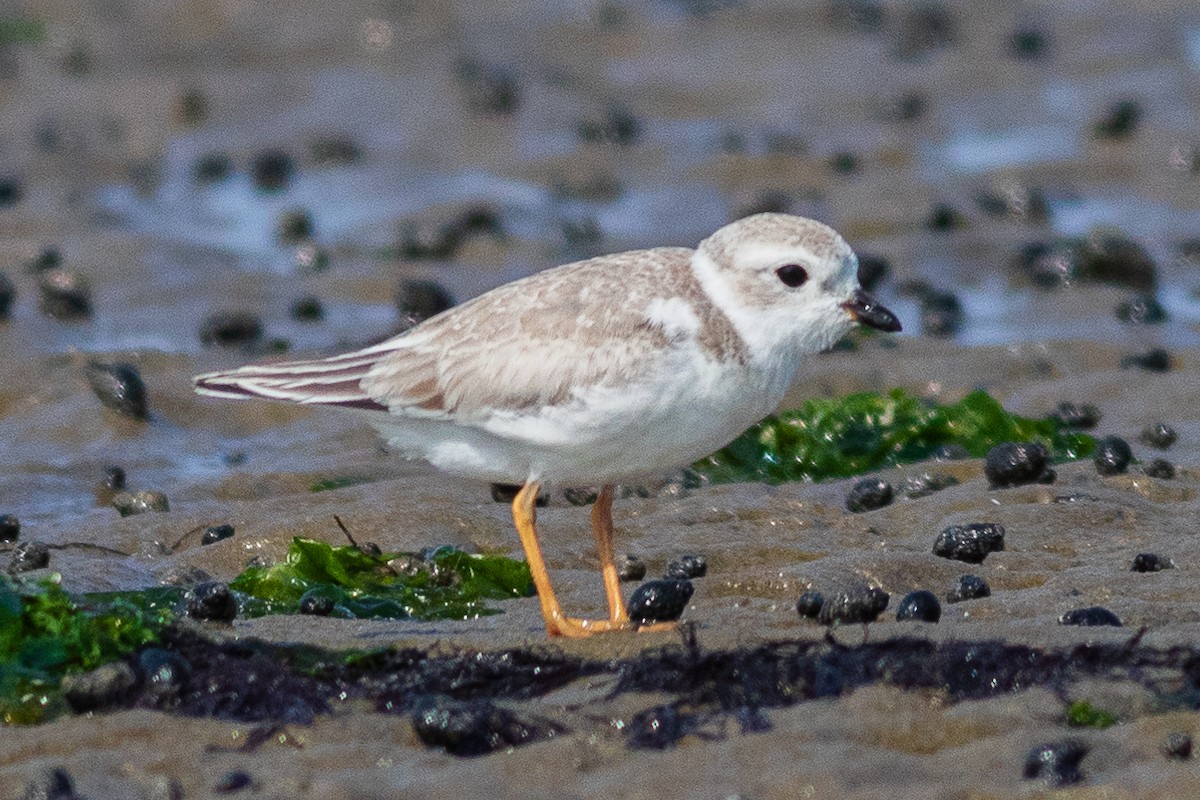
865	309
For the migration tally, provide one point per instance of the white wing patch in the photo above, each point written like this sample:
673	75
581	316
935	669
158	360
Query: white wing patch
674	316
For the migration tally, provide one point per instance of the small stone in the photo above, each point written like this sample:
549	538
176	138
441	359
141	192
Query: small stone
165	676
1027	43
687	567
192	107
1159	435
1017	463
49	258
334	150
53	784
969	543
944	217
950	452
128	504
810	603
844	163
10	528
968	587
310	257
1178	746
1156	359
120	387
1112	455
630	568
1076	415
919	606
211	168
28	556
107	686
941	313
216	533
8	293
660	600
658	728
1151	562
418	300
1142	310
1160	468
1120	121
475	727
272	170
926	483
869	494
10	190
210	601
507	493
308	309
1056	763
114	478
872	271
581	496
294	226
231	329
857	606
315	604
488	88
235	781
65	296
616	126
1090	617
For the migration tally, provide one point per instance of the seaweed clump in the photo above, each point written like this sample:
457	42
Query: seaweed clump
838	438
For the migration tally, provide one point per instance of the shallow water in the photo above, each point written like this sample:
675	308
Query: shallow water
736	107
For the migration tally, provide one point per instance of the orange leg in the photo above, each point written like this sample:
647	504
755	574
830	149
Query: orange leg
603	528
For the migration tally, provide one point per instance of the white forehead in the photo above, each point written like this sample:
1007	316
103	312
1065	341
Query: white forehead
766	238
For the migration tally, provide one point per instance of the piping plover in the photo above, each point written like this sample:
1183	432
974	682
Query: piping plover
595	372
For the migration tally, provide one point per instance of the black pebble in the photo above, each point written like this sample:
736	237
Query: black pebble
941	313
53	784
316	604
272	170
857	606
1027	43
687	567
872	271
234	781
10	528
660	600
1119	121
631	568
616	126
1160	468
920	606
106	686
119	387
969	543
844	163
658	728
231	328
50	258
10	190
308	309
64	296
210	601
1142	310
1178	746
1106	258
507	492
475	728
809	604
581	495
418	300
165	676
1017	463
1056	763
869	494
114	478
1112	455
1159	435
215	533
28	556
1075	415
489	89
294	226
944	217
140	502
8	293
211	168
968	587
1155	359
1151	562
1090	617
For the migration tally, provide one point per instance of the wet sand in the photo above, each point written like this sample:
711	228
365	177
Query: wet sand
733	104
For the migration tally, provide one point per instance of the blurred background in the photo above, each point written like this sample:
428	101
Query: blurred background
193	185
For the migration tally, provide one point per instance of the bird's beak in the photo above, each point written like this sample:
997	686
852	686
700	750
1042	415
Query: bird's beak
867	310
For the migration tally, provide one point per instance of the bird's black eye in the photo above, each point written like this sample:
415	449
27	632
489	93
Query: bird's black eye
792	275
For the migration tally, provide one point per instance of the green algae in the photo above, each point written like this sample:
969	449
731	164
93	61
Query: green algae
445	584
838	438
46	634
1082	714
